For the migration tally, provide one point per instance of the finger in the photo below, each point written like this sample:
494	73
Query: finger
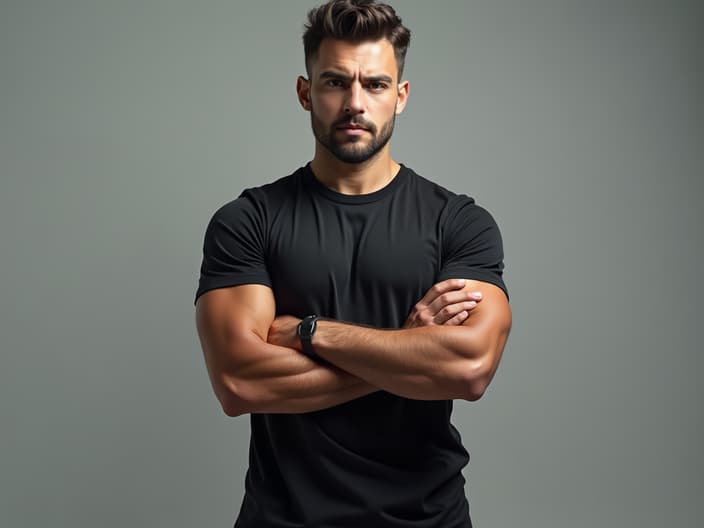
457	319
452	297
440	288
452	310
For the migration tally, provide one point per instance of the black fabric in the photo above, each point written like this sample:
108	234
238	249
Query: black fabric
381	460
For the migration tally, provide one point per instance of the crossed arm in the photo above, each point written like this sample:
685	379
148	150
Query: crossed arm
449	348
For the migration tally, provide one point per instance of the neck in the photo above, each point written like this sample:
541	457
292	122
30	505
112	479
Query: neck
354	178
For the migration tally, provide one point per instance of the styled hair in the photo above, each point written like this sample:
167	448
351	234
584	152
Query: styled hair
355	21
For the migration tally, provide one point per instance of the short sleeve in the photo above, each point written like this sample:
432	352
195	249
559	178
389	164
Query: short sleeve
234	246
472	247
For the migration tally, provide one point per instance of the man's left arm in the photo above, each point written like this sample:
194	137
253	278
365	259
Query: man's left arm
425	363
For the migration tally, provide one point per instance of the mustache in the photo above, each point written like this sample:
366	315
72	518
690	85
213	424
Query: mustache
356	121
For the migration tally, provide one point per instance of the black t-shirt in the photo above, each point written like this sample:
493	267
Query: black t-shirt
381	460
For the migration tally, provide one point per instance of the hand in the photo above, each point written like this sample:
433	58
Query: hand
282	332
446	303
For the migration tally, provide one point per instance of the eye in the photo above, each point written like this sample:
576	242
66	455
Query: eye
334	83
377	86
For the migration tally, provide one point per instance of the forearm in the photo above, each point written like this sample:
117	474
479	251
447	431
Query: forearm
427	363
282	380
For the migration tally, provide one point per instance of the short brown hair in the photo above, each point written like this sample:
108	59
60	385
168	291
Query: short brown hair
355	21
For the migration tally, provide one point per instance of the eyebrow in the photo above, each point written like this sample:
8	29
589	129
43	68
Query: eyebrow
329	74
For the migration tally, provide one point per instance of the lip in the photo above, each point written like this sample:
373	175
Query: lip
352	130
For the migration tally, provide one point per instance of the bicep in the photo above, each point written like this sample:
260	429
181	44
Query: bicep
494	304
491	318
250	375
229	318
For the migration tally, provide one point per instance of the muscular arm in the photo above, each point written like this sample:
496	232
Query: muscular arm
428	362
250	375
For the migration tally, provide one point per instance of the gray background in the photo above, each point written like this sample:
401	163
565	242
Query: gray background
124	125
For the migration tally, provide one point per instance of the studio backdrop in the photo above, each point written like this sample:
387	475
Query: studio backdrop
125	125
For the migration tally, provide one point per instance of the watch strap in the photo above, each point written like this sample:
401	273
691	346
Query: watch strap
305	331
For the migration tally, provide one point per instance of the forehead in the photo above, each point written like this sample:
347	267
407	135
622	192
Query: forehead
369	57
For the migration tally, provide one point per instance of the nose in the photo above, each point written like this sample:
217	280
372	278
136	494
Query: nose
354	103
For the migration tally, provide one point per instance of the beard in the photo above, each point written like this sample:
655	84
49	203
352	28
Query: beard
352	150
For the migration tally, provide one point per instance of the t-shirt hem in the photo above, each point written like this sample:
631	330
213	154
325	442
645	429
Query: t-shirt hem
489	277
227	282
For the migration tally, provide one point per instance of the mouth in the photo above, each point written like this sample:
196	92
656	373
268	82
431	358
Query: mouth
352	123
352	131
351	127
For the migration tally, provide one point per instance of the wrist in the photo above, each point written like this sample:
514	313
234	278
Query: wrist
332	335
305	331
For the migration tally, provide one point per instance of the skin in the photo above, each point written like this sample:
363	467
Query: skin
249	374
451	342
353	83
427	362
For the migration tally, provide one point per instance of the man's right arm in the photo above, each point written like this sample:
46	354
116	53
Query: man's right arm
248	374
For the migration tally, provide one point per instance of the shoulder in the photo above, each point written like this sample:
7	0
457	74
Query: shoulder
261	200
471	243
453	204
423	184
462	221
426	185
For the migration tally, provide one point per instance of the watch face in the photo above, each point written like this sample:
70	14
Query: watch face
307	326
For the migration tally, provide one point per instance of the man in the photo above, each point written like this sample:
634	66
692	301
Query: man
346	305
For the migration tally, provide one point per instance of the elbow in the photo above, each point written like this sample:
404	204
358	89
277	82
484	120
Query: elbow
474	392
477	372
232	407
232	401
475	378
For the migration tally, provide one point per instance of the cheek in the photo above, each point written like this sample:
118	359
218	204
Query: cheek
326	104
386	107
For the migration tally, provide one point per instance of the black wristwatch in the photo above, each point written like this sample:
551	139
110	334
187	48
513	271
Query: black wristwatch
305	331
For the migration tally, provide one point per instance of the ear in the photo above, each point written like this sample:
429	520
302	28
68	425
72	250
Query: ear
403	91
303	92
